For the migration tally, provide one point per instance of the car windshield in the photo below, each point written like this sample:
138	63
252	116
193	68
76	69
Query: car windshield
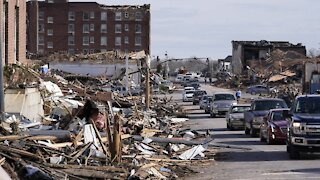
240	109
189	92
309	105
277	116
200	93
267	105
219	97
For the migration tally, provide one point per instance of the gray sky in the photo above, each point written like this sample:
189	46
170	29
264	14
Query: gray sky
205	28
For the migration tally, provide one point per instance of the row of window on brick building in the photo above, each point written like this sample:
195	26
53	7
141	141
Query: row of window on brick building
86	16
86	28
87	40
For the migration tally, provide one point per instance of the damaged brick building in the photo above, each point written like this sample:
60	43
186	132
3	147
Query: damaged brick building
86	27
244	51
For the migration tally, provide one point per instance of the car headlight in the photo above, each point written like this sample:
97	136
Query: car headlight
298	128
233	118
214	105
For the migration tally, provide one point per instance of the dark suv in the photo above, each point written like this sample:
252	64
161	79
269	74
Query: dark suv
197	95
260	108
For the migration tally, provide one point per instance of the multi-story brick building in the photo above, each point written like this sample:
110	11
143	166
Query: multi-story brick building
13	31
86	27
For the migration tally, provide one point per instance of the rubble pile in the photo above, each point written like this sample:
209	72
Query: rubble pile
109	56
85	133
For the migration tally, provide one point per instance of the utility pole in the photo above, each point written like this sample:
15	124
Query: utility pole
147	90
127	73
1	73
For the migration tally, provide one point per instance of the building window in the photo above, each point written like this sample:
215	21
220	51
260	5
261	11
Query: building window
71	16
126	15
103	16
40	51
86	16
91	15
118	41
50	45
50	32
70	28
103	28
41	15
91	39
126	40
91	27
50	20
85	40
85	28
71	40
41	28
126	27
137	41
138	28
118	16
40	40
138	16
103	41
118	28
71	51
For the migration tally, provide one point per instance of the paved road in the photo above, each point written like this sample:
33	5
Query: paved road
261	162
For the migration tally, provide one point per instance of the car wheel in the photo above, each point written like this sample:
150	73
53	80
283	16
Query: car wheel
262	139
246	130
193	103
269	140
252	132
288	148
294	153
231	127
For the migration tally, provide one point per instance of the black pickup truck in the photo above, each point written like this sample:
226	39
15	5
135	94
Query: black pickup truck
303	125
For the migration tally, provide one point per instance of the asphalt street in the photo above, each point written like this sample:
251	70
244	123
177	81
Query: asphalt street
262	161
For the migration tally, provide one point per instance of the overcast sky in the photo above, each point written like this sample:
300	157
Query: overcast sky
205	28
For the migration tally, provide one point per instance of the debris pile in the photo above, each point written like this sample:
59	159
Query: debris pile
279	70
83	132
109	56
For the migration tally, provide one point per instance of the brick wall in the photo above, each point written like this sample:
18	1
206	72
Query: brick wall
59	39
14	33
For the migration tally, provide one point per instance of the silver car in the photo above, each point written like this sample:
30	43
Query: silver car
235	116
221	102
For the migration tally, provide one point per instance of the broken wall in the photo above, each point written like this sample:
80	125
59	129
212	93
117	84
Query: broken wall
236	62
25	102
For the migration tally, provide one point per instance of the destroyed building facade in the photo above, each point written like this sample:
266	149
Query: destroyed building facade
86	27
12	32
225	64
244	51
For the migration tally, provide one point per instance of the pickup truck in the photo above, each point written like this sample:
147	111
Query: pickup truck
303	125
260	108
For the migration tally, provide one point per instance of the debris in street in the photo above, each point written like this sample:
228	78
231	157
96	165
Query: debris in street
69	128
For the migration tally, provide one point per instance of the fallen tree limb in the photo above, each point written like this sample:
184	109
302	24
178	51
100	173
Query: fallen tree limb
96	168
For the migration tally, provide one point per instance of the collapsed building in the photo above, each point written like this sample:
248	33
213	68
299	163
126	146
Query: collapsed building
245	51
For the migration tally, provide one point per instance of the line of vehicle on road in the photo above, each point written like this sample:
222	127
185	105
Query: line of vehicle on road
270	119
